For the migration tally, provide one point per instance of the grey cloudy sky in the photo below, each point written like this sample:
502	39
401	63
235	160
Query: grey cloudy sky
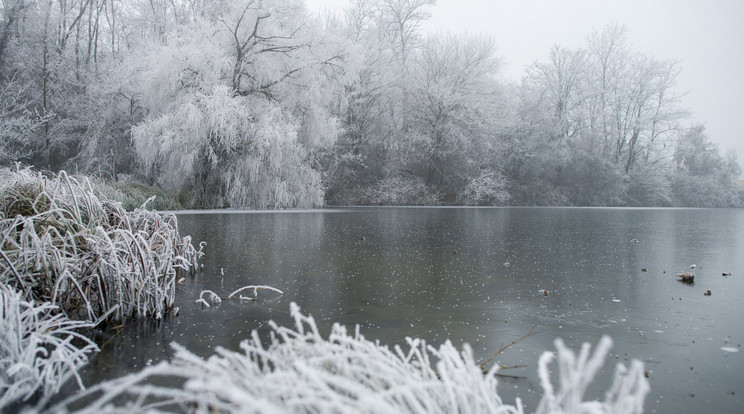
706	35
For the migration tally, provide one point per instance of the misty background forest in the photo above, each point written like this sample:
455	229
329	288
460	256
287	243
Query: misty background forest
260	104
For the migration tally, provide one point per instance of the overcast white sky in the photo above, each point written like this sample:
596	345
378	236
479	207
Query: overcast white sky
706	35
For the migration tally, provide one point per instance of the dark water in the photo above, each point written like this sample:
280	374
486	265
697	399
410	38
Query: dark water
439	273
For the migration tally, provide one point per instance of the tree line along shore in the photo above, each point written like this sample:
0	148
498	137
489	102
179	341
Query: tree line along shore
261	104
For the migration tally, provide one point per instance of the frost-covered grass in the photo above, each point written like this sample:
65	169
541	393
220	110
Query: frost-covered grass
69	260
37	353
302	372
63	244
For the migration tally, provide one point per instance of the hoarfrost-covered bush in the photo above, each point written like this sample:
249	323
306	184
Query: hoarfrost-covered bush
63	244
301	372
400	191
36	350
489	188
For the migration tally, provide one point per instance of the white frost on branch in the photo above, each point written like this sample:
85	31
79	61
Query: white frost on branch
211	297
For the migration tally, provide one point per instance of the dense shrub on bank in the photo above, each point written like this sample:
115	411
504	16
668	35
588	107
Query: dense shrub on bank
399	191
133	194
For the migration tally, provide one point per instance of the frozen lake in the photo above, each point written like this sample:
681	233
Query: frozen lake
476	275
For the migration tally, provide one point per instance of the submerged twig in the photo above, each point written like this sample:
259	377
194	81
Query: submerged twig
212	297
503	367
503	348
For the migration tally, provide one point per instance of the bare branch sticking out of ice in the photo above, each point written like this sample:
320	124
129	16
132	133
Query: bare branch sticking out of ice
300	371
215	298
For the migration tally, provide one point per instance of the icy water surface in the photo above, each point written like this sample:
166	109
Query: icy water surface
478	276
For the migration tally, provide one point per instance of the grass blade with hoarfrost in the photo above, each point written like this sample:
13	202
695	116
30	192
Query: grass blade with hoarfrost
302	372
37	354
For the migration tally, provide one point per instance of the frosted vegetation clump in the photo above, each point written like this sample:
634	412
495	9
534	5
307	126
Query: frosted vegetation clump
64	245
69	261
487	188
37	354
300	371
399	191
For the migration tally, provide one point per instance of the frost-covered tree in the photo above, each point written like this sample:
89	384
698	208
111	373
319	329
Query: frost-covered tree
19	123
238	104
53	49
703	177
597	124
561	84
374	116
457	109
401	20
420	109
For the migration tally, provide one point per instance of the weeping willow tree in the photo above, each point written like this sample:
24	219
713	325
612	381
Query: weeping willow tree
237	108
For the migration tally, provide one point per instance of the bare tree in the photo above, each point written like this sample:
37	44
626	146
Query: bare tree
562	82
455	101
402	19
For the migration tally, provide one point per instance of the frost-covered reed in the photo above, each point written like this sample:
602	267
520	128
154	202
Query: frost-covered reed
63	244
626	395
69	260
37	353
302	372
